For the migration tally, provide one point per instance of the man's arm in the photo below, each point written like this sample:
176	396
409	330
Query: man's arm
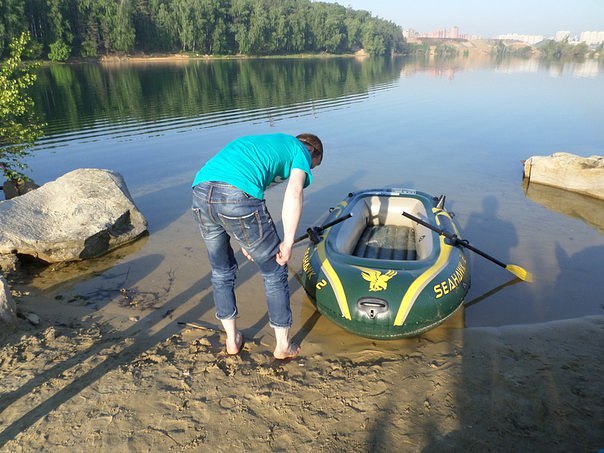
291	212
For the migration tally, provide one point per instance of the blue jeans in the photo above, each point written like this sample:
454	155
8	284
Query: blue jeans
224	212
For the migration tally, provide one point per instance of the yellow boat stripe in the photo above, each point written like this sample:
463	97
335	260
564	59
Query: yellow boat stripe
422	281
334	280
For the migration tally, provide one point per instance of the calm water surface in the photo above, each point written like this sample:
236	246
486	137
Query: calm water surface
460	128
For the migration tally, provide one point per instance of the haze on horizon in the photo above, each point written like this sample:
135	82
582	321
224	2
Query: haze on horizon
489	19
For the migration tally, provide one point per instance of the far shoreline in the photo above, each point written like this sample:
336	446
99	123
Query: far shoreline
463	48
185	57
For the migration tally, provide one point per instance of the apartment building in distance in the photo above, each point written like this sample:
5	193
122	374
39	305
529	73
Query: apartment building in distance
591	38
441	33
528	39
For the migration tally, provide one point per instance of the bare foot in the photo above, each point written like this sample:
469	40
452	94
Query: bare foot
233	348
292	351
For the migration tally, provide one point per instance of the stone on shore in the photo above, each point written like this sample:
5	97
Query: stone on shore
567	171
83	214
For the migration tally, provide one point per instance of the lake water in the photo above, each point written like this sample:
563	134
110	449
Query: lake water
459	127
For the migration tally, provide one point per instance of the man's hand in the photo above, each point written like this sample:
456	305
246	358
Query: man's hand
246	254
284	254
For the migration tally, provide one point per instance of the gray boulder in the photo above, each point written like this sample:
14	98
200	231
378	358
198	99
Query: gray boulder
578	174
83	214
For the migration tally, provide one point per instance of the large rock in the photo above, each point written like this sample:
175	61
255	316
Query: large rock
578	174
83	214
8	310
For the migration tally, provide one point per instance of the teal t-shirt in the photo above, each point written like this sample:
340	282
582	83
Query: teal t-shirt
253	163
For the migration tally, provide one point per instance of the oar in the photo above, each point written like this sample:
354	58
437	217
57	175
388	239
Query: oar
518	271
314	232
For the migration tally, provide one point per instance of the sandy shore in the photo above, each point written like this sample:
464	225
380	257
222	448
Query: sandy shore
157	385
187	58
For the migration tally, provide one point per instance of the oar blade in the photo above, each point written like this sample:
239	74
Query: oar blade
520	272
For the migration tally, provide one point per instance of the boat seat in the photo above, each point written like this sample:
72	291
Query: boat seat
387	242
378	230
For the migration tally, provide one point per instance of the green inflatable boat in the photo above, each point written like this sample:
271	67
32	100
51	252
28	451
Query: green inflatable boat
379	274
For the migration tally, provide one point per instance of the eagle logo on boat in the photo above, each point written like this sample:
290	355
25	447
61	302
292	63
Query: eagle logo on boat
377	280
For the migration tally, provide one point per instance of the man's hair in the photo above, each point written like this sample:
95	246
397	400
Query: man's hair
312	140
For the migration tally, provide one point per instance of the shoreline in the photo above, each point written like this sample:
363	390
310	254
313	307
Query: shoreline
469	49
184	57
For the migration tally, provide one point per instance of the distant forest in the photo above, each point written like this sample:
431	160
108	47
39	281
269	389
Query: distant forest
61	29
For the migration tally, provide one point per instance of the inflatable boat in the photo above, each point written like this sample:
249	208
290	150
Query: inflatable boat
378	273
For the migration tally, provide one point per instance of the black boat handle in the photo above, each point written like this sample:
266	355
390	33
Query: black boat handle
314	232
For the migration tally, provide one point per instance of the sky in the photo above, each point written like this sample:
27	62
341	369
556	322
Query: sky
489	18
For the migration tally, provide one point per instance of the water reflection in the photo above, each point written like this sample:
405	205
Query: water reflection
585	69
572	204
58	275
121	100
446	68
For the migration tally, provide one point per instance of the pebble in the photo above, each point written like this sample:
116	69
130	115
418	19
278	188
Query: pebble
33	318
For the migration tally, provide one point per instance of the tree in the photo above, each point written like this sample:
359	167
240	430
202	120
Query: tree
20	127
122	31
353	27
254	27
11	21
59	51
182	15
373	41
222	40
241	12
